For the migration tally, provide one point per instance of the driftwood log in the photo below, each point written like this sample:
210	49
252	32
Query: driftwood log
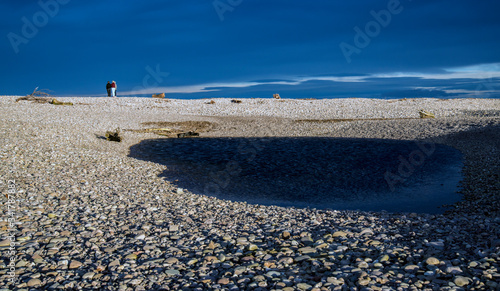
161	95
41	97
425	114
114	136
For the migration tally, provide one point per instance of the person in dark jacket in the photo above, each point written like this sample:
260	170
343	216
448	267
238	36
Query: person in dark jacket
108	88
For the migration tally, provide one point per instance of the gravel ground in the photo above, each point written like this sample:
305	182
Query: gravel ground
78	212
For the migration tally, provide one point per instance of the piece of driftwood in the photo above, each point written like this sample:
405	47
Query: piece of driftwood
158	129
425	114
161	95
236	101
34	99
54	101
187	134
36	96
114	136
42	97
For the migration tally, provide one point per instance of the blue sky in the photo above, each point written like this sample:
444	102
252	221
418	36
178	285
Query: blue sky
252	48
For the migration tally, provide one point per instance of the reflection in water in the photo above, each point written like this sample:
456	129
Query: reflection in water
315	172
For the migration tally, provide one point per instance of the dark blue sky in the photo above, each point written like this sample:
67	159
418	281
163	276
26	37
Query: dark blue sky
243	48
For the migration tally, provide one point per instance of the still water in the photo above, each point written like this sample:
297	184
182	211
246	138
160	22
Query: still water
316	172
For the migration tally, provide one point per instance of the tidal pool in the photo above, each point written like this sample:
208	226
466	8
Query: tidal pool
316	172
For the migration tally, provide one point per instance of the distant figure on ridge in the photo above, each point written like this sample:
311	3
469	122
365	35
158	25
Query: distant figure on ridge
108	88
113	89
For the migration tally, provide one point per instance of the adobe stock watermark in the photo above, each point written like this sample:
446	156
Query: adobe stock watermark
408	165
153	78
371	29
11	235
222	179
223	6
248	149
487	88
39	19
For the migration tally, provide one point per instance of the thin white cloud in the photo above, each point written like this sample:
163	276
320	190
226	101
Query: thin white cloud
481	71
213	87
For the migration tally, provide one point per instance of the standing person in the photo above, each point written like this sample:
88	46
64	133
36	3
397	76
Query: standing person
108	88
113	89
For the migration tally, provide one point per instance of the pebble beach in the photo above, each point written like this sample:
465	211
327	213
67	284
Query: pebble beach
79	212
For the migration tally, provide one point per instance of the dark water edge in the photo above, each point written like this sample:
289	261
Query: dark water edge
316	172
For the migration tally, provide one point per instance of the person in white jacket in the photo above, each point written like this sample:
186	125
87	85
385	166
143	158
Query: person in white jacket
113	89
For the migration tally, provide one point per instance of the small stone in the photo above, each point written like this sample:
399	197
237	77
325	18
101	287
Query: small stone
37	259
378	265
412	268
334	281
132	256
221	258
75	264
432	261
211	259
5	243
273	274
461	281
364	281
286	260
171	261
366	231
342	248
23	238
66	233
307	250
285	235
302	258
307	240
211	245
363	265
253	247
100	268
384	258
22	263
140	237
239	270
339	234
36	276
454	270
34	282
429	273
304	286
172	272
223	281
473	264
135	282
58	239
89	275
